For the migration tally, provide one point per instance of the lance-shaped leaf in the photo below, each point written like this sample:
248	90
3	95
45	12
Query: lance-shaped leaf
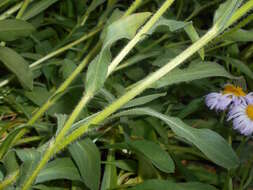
37	7
18	65
208	141
60	168
12	29
194	71
30	159
159	157
87	157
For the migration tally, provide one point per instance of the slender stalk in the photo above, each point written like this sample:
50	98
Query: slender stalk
23	8
68	46
133	7
10	11
138	36
9	180
50	151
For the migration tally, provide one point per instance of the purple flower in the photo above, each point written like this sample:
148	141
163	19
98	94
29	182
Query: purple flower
231	95
249	98
242	116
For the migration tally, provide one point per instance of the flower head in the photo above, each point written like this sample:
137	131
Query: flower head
249	98
231	95
242	116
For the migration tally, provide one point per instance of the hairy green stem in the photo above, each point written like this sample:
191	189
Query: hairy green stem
23	8
10	11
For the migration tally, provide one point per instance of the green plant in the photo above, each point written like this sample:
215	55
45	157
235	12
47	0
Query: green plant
152	149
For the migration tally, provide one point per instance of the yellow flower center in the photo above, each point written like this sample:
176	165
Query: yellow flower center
235	90
249	111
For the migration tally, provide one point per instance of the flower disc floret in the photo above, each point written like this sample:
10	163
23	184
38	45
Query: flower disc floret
231	95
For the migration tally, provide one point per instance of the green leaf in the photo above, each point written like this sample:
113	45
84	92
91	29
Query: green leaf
173	25
239	65
67	68
240	35
110	173
193	106
168	185
224	13
16	64
143	100
61	119
194	36
30	159
208	141
12	29
194	71
127	165
38	95
137	58
87	157
220	11
123	28
60	168
94	4
10	162
37	7
160	158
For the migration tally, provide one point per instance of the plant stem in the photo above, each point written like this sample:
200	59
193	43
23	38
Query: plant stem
53	98
53	144
10	11
133	7
23	8
138	36
9	180
240	12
